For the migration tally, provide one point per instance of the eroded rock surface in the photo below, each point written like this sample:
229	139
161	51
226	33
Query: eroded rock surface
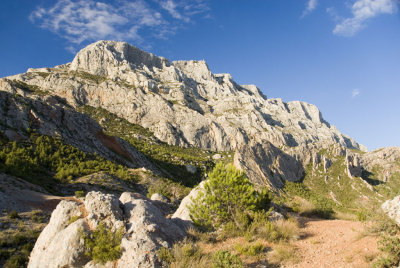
392	209
182	102
145	230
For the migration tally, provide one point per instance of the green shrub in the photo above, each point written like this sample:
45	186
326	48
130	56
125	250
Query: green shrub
361	216
13	215
165	255
390	246
103	245
73	219
80	194
250	249
322	206
16	261
227	194
45	160
224	259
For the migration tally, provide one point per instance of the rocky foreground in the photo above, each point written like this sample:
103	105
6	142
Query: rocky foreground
145	229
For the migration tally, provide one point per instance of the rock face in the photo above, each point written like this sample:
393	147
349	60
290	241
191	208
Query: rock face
182	213
145	230
392	209
267	164
181	102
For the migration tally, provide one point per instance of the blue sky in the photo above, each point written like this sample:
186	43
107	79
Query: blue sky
341	55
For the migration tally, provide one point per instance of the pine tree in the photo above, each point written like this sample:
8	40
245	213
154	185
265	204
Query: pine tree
226	194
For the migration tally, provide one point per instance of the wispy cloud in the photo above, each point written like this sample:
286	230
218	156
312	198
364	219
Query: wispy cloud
355	92
362	11
310	6
81	21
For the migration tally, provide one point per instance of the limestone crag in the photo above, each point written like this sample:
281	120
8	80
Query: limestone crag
182	102
145	230
387	159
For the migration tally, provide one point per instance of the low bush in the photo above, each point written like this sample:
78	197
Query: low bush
390	246
250	249
13	215
103	245
184	254
283	253
224	259
80	194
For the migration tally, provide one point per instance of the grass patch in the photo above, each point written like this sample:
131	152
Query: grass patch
284	253
88	76
250	249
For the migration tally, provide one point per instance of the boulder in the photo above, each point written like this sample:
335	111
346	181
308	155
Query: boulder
392	209
145	230
60	243
182	212
159	197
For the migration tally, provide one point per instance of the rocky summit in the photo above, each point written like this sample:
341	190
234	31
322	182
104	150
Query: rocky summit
88	140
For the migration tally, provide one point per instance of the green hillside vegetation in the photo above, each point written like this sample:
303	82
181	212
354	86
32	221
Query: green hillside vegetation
171	159
46	161
324	193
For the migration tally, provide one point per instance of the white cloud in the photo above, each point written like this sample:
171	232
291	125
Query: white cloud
81	21
310	6
355	92
363	10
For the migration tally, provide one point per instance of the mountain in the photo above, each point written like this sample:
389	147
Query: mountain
118	119
179	103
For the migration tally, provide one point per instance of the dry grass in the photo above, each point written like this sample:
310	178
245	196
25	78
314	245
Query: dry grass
288	229
283	253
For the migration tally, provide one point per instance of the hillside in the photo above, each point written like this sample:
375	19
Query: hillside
118	119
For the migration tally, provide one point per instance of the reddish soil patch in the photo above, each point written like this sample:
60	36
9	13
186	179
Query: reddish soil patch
334	243
111	143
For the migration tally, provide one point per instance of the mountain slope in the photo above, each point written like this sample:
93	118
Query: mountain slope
180	103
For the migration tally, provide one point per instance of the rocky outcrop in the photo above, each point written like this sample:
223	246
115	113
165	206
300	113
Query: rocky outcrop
392	209
183	103
145	230
266	164
182	213
386	160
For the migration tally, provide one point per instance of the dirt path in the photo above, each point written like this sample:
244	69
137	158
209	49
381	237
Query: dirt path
334	243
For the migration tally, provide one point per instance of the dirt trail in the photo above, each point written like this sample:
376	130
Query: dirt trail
334	243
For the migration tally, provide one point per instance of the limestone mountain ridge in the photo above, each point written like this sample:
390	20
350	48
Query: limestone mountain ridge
118	123
181	102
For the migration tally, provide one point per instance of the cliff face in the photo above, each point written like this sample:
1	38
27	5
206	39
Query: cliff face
181	102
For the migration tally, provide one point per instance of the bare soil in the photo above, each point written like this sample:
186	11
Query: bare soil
334	243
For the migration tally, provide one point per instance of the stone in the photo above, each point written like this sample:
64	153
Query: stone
60	244
392	209
275	216
182	212
159	197
145	230
191	169
216	156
